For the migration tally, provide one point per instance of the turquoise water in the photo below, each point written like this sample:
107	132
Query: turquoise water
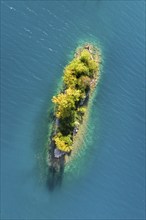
37	40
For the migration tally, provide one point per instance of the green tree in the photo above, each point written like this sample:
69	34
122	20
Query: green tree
63	143
66	102
84	82
85	56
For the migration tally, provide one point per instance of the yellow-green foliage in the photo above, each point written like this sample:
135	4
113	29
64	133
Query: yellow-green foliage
77	78
66	102
85	56
84	82
77	66
87	59
92	66
69	79
82	110
63	143
80	68
73	71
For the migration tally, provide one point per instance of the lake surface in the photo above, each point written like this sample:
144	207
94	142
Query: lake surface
37	41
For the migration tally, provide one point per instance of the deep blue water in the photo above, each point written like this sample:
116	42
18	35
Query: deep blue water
37	41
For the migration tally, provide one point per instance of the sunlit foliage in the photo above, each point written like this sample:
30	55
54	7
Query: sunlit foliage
77	78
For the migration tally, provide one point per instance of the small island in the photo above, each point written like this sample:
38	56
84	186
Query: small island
80	78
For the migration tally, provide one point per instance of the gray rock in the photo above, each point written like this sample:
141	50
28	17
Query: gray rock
58	153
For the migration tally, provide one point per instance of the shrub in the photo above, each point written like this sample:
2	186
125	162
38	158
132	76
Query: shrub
66	102
85	56
82	110
63	143
84	82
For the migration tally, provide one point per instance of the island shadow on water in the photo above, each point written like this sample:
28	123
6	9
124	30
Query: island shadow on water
47	174
55	166
55	178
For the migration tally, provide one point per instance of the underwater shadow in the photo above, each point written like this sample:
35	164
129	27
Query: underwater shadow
49	170
55	177
55	167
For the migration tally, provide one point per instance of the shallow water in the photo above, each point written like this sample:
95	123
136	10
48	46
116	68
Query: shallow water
37	41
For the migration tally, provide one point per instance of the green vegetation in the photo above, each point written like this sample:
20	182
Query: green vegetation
63	143
77	78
